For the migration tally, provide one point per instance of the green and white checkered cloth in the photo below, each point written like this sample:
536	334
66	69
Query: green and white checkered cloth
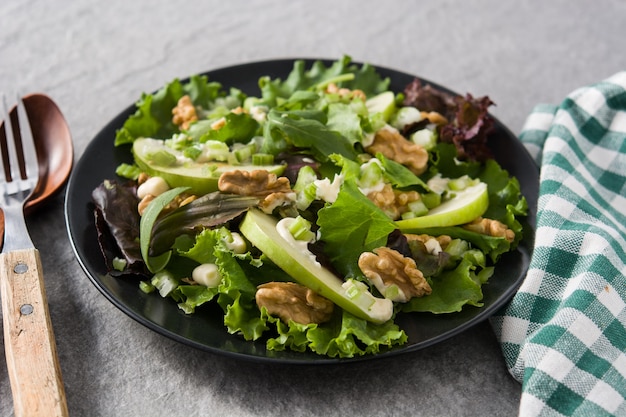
563	334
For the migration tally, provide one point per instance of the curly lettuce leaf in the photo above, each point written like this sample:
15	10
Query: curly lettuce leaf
291	336
470	128
193	296
235	294
345	336
351	336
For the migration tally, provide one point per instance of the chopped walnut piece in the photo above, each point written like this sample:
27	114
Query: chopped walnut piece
143	177
179	201
396	147
443	240
291	301
144	203
275	191
184	113
274	200
332	88
490	227
393	202
434	117
386	268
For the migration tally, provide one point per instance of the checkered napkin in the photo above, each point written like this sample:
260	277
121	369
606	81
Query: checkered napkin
563	335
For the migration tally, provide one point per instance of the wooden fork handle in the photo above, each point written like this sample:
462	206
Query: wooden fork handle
31	353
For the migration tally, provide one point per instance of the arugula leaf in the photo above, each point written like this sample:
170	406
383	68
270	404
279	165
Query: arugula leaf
155	262
399	175
290	129
364	78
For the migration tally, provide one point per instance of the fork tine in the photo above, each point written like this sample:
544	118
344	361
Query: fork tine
8	138
12	151
31	165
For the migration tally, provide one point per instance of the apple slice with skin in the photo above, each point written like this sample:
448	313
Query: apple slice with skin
201	178
464	207
384	103
353	296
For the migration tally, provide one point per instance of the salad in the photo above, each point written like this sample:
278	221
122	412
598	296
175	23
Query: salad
312	213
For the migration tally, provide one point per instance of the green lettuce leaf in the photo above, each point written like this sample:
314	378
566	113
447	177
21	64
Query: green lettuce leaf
348	336
289	129
506	202
343	119
491	246
237	128
236	292
291	336
193	296
345	336
453	289
364	78
399	175
153	116
350	226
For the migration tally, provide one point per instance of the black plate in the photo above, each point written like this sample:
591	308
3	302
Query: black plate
206	331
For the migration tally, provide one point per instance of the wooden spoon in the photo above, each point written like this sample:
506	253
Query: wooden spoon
55	151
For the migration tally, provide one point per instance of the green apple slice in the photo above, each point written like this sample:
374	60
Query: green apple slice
156	159
464	207
384	103
353	296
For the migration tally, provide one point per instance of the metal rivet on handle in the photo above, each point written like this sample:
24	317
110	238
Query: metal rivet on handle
26	309
20	268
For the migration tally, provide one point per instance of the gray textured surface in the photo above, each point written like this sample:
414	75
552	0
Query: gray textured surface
96	57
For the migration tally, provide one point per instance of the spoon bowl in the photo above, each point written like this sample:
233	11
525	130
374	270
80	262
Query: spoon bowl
55	150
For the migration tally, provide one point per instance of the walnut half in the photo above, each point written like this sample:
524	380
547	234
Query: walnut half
292	301
386	268
396	147
490	227
275	191
393	202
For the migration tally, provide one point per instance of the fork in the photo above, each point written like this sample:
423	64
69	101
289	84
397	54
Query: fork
30	348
